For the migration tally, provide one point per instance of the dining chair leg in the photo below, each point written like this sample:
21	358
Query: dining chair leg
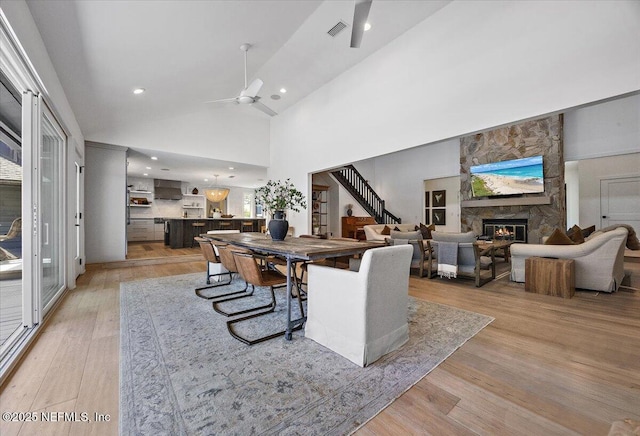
270	307
236	335
200	294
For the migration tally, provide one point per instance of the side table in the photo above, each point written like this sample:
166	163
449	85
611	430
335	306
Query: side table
550	276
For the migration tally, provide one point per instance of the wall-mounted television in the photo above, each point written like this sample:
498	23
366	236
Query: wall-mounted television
509	177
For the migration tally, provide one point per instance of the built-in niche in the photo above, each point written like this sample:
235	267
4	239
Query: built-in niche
543	212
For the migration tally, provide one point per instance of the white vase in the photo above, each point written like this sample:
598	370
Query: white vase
217	215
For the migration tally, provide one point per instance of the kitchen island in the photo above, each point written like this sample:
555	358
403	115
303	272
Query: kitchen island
181	231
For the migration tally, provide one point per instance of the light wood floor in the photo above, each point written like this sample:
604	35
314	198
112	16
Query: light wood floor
545	366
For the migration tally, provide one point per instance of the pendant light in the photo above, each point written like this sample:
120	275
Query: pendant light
216	194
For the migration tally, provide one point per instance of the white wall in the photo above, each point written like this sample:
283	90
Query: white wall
470	67
572	194
452	198
610	127
234	133
105	202
591	172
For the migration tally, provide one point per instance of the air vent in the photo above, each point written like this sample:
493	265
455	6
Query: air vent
337	29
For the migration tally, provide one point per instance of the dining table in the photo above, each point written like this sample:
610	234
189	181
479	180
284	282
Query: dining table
295	249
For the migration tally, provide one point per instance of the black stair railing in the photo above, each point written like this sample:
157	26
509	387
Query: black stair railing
364	194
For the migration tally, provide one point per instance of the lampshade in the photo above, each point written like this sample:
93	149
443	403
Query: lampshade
216	195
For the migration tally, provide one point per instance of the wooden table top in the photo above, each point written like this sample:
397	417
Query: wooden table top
296	248
498	243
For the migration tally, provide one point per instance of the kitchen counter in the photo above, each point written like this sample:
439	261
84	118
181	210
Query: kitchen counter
181	230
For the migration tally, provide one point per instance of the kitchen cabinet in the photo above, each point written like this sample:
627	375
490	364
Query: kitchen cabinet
158	231
142	229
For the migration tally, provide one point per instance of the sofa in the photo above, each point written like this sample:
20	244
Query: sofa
373	231
599	261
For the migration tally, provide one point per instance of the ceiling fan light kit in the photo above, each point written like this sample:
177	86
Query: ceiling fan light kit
249	94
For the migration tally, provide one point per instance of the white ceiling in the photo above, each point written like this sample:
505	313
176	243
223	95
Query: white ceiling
187	52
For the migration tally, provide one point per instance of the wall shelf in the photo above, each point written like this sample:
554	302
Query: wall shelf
519	201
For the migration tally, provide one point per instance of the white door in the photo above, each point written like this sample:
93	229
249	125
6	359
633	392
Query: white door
620	201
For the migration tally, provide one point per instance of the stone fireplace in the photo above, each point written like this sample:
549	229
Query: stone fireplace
542	212
511	229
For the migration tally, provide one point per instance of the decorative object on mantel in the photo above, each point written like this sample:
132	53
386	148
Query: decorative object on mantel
276	198
194	191
216	194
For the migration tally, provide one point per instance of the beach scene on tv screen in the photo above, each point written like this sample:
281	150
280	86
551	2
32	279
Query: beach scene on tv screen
519	176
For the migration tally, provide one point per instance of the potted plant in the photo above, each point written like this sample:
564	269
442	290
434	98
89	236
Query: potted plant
276	198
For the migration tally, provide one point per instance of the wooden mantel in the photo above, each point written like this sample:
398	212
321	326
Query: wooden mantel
514	201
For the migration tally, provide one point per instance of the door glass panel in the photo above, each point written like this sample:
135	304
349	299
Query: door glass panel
50	226
10	213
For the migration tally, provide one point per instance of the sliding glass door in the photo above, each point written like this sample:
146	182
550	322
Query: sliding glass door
10	213
50	178
33	202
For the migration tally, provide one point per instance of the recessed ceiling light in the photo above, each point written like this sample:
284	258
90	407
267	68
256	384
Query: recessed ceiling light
367	26
154	158
231	168
138	91
145	174
206	180
283	91
148	168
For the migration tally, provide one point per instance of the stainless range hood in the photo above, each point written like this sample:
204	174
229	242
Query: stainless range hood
167	189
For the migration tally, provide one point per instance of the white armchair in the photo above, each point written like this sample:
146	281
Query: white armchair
361	315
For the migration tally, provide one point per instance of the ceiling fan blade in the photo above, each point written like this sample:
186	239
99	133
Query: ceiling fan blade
224	100
253	88
263	108
360	15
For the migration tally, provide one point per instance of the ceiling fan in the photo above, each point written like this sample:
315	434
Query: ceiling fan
248	95
360	15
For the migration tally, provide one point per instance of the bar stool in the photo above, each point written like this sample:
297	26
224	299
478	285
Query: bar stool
225	225
196	229
246	226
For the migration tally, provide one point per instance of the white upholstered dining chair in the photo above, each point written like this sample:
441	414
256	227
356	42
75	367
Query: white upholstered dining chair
361	315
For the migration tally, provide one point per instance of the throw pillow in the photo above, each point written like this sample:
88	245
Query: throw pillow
575	234
632	238
386	231
589	230
397	229
558	237
426	230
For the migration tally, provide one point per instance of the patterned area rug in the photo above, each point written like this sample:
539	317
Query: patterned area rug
181	373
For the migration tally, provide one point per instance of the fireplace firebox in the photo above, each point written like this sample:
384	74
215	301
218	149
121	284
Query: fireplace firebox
510	229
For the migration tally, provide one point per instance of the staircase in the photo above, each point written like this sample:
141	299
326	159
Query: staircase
364	194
